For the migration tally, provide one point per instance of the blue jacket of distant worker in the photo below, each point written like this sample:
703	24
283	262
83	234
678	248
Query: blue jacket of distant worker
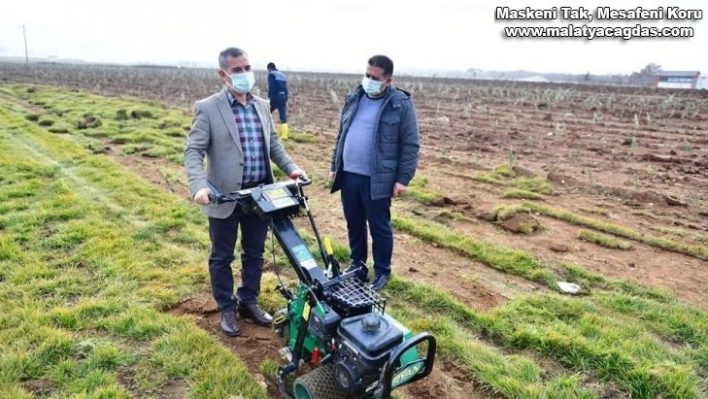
396	147
277	88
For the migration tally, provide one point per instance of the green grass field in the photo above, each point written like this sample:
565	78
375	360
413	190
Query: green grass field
92	256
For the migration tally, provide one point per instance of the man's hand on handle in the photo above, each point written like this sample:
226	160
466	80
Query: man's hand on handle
202	196
298	173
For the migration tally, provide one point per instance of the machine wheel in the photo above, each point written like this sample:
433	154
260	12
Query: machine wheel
319	383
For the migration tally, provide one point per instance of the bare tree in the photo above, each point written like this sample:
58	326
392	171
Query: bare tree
645	77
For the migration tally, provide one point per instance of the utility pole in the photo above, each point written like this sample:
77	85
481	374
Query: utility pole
24	33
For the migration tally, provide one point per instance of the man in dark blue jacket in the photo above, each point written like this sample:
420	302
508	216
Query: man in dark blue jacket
278	95
374	160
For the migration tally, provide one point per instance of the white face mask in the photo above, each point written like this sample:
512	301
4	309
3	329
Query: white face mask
242	83
371	87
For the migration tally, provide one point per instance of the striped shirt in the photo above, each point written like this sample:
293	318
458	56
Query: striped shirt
250	131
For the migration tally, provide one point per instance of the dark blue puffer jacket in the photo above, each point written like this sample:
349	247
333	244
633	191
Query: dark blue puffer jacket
396	141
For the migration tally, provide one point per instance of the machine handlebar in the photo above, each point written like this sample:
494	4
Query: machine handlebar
216	197
410	372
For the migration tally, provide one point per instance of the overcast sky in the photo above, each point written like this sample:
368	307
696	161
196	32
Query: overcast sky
337	35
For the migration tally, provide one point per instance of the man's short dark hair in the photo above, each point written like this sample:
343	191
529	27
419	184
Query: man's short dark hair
271	66
384	63
229	52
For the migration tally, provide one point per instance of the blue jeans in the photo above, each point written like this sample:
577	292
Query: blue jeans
359	209
223	234
282	110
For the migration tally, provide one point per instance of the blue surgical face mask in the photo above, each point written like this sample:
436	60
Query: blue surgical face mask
243	82
371	87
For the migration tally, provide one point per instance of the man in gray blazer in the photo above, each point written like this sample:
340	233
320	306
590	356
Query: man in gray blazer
234	129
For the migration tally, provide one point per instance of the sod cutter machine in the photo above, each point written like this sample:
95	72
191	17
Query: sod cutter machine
334	326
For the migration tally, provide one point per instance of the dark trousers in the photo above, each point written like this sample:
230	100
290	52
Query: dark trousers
359	209
223	234
282	110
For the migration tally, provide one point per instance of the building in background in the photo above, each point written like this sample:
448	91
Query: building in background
677	79
702	83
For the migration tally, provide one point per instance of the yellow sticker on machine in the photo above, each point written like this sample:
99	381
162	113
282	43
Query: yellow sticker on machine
277	193
283	202
306	311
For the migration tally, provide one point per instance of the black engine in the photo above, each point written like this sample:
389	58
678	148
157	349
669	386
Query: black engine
364	344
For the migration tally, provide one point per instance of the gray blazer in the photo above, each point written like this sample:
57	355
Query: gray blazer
215	135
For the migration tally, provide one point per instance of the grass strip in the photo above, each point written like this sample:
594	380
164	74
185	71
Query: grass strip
698	251
89	256
603	240
646	348
517	193
504	259
502	374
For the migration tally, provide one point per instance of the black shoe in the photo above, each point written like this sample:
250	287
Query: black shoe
380	282
229	324
362	275
255	313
